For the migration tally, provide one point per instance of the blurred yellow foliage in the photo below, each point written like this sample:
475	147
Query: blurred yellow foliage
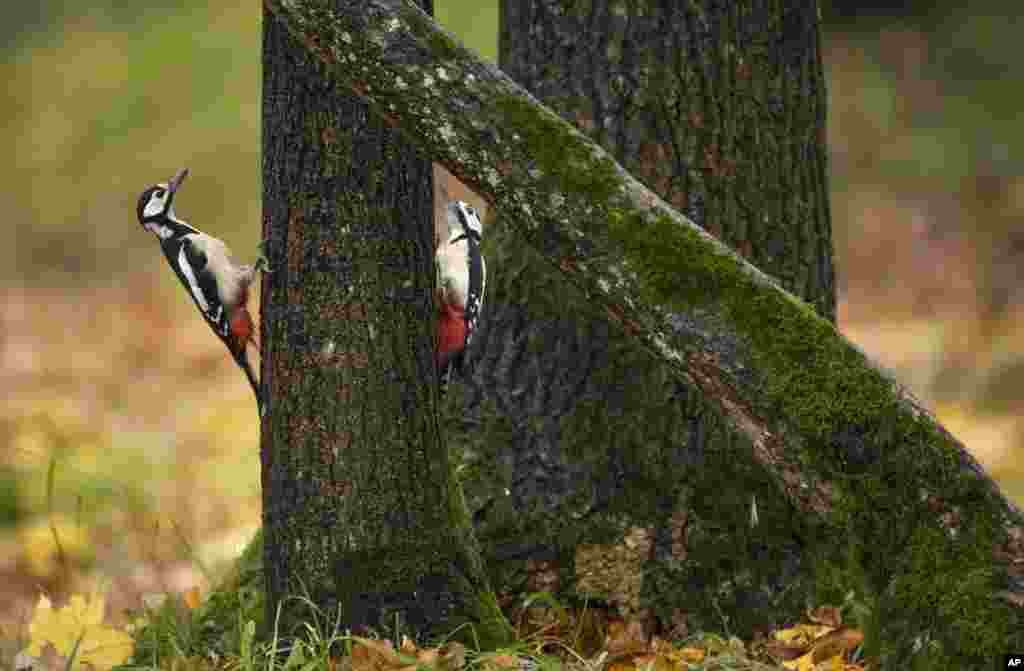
30	447
43	426
224	424
99	108
39	547
77	631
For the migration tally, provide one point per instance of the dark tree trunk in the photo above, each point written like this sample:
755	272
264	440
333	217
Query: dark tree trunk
361	508
721	111
717	106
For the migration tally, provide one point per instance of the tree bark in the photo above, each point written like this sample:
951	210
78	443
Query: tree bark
362	511
562	415
903	516
717	107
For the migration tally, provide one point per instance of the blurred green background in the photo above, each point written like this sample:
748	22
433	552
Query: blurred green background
112	383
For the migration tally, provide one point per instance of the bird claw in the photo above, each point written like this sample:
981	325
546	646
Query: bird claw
262	263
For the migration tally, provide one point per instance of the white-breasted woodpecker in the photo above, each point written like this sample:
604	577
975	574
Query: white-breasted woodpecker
461	280
218	285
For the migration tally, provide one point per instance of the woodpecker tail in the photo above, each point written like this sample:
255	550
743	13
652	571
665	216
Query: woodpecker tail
449	364
242	333
243	362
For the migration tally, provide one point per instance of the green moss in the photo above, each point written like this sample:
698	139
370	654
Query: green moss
560	152
941	586
659	249
443	46
834	387
932	591
922	578
856	435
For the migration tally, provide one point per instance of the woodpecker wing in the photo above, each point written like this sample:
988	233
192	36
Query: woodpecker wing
191	264
477	285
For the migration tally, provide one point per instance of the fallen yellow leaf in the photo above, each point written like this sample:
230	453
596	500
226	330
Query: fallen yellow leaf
803	663
80	623
838	643
802	634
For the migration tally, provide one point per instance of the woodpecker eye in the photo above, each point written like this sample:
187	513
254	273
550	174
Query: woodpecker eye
159	193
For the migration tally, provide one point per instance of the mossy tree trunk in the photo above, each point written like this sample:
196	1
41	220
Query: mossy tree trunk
720	109
899	513
361	508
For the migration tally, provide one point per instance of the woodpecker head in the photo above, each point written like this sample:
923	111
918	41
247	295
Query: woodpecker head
463	220
156	204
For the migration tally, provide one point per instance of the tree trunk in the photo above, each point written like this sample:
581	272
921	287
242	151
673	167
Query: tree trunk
361	508
717	107
900	515
580	420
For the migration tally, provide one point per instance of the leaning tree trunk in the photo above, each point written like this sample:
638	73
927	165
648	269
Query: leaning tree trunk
361	508
601	446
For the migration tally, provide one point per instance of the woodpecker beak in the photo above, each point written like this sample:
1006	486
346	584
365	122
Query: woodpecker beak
176	181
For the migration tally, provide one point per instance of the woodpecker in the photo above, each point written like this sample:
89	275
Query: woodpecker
461	279
218	285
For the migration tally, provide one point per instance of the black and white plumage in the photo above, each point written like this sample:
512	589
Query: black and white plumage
461	283
217	284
